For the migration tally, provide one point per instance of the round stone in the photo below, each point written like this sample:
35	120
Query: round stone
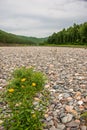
56	87
80	102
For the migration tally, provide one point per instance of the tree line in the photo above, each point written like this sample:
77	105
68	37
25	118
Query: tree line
8	38
76	34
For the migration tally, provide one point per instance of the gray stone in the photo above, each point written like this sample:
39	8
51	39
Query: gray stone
49	118
56	87
60	96
53	128
66	95
35	103
67	118
83	127
73	128
61	126
54	113
73	124
62	115
50	123
71	90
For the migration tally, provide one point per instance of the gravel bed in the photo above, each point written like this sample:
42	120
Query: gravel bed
66	69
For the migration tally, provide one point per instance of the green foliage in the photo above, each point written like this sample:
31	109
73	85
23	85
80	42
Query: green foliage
10	39
76	35
83	33
26	107
84	116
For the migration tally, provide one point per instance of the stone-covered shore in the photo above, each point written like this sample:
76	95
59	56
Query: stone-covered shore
66	69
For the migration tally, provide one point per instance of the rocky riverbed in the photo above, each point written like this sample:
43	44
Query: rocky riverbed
66	69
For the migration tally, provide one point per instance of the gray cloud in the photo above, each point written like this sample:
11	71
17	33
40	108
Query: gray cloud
40	17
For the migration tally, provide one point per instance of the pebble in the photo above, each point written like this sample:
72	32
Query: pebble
0	88
83	127
50	123
53	128
67	118
66	69
80	102
73	124
47	86
66	95
68	108
61	126
56	87
49	118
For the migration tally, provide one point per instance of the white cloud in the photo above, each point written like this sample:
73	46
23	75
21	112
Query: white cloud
40	17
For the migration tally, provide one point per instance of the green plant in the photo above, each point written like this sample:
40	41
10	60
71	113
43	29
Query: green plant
84	116
26	100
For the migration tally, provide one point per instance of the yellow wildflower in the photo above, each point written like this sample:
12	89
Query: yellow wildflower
23	86
33	84
22	80
11	90
33	115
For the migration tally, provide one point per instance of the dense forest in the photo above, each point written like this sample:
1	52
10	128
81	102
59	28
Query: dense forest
77	34
8	38
74	35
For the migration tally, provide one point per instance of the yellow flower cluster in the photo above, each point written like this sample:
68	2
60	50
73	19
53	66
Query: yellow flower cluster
33	115
11	90
23	86
23	80
33	84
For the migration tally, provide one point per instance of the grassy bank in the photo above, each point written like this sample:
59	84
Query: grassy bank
45	44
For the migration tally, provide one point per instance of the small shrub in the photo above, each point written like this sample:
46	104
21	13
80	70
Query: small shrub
84	116
26	107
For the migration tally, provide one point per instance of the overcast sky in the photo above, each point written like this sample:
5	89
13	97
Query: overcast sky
40	18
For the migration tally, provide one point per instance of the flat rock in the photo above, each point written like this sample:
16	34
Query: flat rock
61	126
53	128
83	127
73	124
67	118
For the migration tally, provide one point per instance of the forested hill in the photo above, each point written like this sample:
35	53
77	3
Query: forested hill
8	38
76	34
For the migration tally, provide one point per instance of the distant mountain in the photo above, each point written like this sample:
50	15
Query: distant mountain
35	39
8	38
